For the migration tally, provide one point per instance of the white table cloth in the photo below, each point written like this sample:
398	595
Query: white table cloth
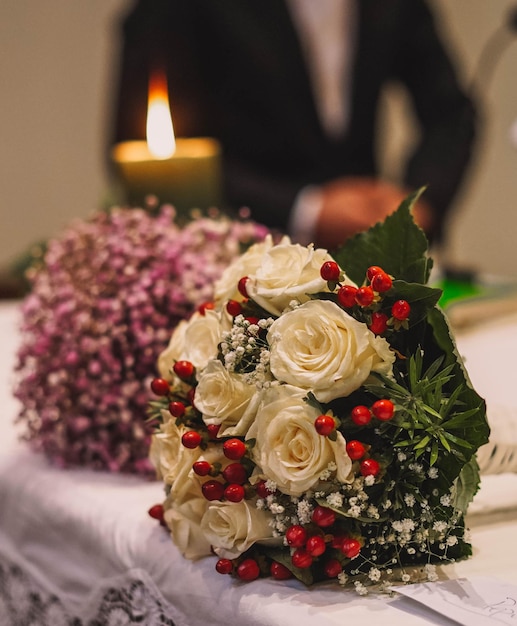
78	547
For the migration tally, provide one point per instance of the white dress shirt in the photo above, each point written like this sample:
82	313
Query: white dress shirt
327	31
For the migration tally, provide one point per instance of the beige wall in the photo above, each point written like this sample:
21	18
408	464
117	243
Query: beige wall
56	62
484	232
56	59
484	225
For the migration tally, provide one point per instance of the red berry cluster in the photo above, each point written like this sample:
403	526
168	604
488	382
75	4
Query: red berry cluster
314	540
382	409
247	569
239	307
368	296
180	405
235	474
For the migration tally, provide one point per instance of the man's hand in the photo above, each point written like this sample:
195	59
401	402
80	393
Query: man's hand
351	205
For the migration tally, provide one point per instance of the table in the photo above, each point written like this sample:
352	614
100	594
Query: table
78	548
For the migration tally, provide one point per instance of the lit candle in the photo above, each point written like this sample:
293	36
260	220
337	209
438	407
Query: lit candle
185	171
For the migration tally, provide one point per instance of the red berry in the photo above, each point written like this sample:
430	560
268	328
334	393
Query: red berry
372	271
332	568
234	449
248	570
323	517
400	310
379	323
315	545
252	320
370	467
324	424
296	536
160	386
184	369
361	415
213	429
301	558
381	282
355	450
234	308
201	468
224	566
206	306
330	271
337	540
346	296
279	571
156	512
176	408
191	439
234	493
383	409
235	473
350	548
364	296
241	286
191	394
212	490
262	490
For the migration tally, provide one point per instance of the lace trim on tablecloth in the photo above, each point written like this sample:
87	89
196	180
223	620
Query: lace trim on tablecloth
24	602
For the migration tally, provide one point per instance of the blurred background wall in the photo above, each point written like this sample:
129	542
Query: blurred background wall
57	63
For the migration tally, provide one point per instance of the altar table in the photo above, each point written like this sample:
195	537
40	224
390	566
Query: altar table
77	547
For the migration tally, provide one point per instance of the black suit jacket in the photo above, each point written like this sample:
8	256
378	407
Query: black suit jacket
236	72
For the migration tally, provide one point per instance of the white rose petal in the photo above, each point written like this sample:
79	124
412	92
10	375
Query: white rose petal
233	527
227	399
186	505
183	512
287	272
288	449
167	453
245	265
321	348
195	340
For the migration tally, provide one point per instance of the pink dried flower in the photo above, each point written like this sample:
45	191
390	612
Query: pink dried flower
102	307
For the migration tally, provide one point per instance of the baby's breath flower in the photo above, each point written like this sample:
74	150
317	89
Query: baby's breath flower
409	499
335	500
374	574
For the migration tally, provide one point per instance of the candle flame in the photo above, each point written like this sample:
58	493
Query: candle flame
160	133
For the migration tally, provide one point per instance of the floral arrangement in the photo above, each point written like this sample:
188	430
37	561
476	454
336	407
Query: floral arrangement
318	421
104	300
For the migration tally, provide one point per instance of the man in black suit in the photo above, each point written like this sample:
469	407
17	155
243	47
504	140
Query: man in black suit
237	71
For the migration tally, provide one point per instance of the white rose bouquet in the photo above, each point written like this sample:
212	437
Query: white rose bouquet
317	421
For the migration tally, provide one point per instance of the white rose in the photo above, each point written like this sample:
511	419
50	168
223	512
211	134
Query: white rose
173	351
167	453
183	511
321	348
226	398
195	340
288	448
233	527
186	505
246	264
288	272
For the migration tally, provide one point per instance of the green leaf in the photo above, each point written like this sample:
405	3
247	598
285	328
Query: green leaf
282	556
466	485
420	297
434	453
477	430
397	245
422	443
